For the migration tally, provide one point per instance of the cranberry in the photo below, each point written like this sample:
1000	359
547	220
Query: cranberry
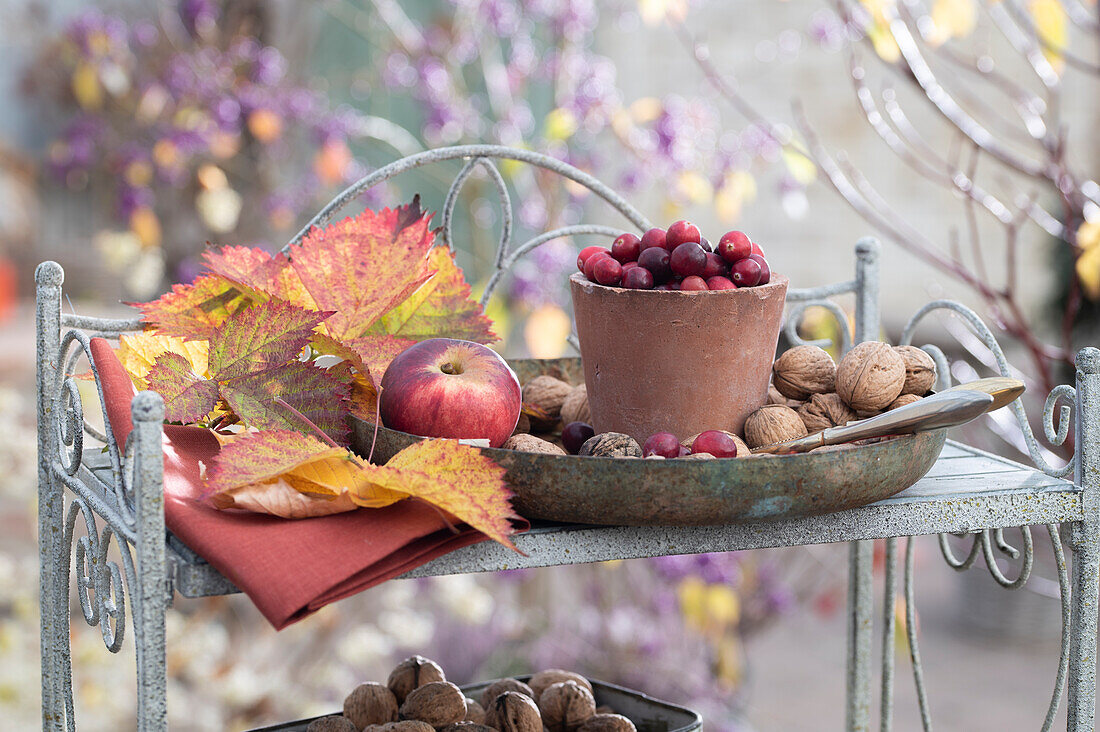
590	263
757	250
765	270
637	278
693	283
716	443
652	238
629	265
715	267
608	271
746	273
705	243
734	246
688	259
664	444
681	232
626	248
655	259
586	253
720	283
574	434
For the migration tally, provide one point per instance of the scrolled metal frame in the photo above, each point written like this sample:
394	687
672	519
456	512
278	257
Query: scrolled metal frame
130	504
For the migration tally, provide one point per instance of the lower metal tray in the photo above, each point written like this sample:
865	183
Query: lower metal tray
647	714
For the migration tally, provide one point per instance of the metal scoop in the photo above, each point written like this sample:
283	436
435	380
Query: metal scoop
948	408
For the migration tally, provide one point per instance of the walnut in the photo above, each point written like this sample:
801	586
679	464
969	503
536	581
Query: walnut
870	376
775	396
513	712
575	407
742	448
414	671
466	727
920	370
370	703
405	725
611	444
523	425
804	370
334	723
605	709
438	703
607	723
530	443
546	394
823	411
540	681
474	711
495	689
773	423
566	705
902	401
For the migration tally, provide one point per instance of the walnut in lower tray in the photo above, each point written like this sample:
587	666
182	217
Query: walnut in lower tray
553	699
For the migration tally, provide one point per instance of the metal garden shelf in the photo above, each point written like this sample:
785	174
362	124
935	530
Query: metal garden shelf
119	497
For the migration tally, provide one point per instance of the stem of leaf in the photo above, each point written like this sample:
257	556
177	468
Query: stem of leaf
442	515
377	420
307	421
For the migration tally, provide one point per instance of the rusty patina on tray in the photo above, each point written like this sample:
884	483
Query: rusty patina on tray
635	492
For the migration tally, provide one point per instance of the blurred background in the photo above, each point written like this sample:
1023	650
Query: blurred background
134	135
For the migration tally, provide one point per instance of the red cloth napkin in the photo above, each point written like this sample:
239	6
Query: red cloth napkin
290	568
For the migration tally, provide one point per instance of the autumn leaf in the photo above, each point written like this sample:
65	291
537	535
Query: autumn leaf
376	352
261	337
188	396
137	352
195	311
321	395
279	498
361	269
442	305
454	477
254	268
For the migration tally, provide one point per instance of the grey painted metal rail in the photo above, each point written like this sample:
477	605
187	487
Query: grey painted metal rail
116	496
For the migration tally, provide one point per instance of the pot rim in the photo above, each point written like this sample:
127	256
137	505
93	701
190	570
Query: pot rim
777	281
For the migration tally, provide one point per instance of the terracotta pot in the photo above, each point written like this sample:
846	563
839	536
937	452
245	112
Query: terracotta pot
680	362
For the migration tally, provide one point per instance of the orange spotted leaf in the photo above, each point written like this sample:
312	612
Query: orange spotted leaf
362	267
195	311
454	477
441	306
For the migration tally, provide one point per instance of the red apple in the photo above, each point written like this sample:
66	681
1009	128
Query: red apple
449	388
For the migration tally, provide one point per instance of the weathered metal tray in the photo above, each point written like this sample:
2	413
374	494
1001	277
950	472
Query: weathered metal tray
634	492
647	714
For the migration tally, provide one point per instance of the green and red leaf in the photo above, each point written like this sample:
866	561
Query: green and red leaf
194	312
261	337
321	395
188	397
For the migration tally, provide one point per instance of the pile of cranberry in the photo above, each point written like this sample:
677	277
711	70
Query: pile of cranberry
677	259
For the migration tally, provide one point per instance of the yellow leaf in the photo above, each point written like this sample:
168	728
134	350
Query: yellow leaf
138	351
280	498
953	19
1050	24
560	124
333	472
86	87
453	477
546	331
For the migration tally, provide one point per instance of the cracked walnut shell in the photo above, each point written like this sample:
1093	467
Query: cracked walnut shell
802	371
773	423
370	703
870	376
439	703
822	411
513	712
611	444
920	370
414	671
